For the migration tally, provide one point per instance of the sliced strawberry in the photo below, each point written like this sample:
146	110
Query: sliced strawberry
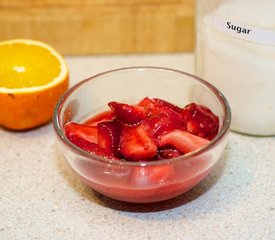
84	144
200	121
153	102
152	175
167	104
151	107
75	131
102	117
182	140
166	121
160	124
128	114
108	137
153	129
85	137
93	148
163	115
168	152
136	142
160	115
145	102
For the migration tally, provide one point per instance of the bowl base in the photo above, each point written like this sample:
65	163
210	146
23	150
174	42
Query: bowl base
147	195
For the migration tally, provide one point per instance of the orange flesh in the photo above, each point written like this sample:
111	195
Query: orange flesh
17	62
32	78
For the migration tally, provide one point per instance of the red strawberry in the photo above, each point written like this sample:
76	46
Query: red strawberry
136	142
85	137
165	121
153	129
168	152
84	144
200	121
153	102
75	131
152	175
108	137
146	102
128	114
182	140
167	104
93	148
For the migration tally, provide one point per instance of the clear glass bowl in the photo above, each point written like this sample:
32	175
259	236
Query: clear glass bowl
140	182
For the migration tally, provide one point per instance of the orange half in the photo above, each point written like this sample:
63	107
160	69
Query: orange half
33	76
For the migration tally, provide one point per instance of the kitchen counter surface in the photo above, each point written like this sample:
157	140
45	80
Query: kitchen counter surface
41	198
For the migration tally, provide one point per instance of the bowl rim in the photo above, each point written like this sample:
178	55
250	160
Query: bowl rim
220	97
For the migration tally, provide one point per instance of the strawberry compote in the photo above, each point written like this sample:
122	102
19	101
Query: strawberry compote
151	130
148	131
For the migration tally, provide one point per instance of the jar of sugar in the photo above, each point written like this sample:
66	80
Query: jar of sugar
235	51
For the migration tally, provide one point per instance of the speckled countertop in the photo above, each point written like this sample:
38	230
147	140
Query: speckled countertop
40	197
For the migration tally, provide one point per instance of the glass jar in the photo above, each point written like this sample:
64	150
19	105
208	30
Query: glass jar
235	51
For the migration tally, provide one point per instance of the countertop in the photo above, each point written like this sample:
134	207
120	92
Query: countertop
41	198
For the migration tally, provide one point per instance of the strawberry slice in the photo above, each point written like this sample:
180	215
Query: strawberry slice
200	121
153	102
167	104
152	175
92	148
153	129
146	102
136	142
128	114
86	138
162	116
84	144
165	121
168	152
108	137
182	140
75	131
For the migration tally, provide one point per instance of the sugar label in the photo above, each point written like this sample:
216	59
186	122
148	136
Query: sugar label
244	31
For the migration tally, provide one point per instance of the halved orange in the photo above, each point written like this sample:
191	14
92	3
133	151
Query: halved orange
33	76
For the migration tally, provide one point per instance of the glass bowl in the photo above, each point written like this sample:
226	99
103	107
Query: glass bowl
140	182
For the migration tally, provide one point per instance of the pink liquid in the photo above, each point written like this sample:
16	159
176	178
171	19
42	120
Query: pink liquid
147	195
